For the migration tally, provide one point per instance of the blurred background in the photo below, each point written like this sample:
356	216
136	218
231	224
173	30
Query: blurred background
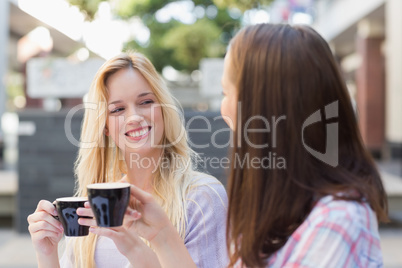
51	49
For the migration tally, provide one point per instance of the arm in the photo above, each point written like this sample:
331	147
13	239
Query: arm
153	224
45	261
171	250
46	232
130	245
206	229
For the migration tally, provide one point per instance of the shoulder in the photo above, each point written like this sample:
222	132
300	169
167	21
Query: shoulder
342	229
205	197
204	185
206	207
343	212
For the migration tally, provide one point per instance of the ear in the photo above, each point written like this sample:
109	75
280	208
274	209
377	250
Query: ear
106	131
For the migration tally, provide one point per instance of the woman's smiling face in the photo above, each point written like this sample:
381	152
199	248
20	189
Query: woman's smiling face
134	120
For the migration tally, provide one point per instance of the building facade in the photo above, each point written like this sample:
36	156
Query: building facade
366	37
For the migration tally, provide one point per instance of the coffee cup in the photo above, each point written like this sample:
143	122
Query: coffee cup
109	202
67	214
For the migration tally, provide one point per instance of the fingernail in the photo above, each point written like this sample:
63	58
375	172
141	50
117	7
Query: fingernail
135	213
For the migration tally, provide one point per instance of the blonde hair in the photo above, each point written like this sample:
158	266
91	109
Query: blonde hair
99	159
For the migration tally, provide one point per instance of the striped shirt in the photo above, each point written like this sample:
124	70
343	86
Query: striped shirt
337	233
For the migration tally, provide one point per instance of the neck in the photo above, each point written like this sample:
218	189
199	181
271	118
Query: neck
141	169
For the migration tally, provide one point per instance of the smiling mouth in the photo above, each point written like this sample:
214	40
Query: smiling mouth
138	133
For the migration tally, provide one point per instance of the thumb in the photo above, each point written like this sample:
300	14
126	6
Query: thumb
140	195
124	179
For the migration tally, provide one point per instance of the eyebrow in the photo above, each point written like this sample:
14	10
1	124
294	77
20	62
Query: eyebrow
139	96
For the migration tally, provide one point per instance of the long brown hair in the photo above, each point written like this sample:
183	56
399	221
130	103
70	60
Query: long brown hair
285	74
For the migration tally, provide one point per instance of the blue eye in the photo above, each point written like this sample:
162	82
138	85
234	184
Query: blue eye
116	110
147	102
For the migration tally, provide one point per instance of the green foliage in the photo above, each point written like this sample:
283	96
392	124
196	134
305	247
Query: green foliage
159	55
174	43
243	5
88	7
191	43
129	8
14	85
182	46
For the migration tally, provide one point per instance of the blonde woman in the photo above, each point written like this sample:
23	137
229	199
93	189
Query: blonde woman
133	131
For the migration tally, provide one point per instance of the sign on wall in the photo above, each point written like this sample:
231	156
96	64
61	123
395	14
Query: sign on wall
212	71
59	77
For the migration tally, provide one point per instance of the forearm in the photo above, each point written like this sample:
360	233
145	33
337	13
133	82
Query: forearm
170	249
144	257
48	261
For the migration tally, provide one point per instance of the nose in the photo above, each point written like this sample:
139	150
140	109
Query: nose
132	119
133	116
135	120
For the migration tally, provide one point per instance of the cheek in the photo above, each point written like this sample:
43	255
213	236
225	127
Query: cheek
228	110
113	125
157	120
232	109
224	107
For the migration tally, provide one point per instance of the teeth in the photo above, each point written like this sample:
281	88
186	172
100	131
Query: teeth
138	133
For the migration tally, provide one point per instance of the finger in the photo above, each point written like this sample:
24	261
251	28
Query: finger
44	234
45	205
87	222
141	195
87	205
43	226
134	204
117	229
124	180
44	216
107	232
86	212
133	214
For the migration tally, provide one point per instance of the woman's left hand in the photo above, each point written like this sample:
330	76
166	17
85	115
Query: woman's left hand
127	242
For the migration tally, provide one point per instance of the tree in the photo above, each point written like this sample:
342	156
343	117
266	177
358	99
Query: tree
191	43
174	42
243	5
88	7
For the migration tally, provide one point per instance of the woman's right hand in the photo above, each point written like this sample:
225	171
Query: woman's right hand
145	217
46	232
